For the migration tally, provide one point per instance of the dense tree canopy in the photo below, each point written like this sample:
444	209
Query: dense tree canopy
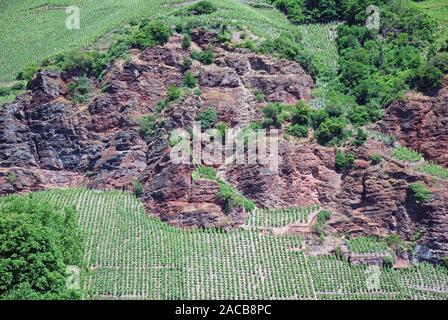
37	243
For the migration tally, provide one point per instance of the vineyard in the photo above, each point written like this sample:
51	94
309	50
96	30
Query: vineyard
131	255
36	29
282	217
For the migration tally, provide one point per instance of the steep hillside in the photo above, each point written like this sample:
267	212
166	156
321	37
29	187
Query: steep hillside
50	141
266	144
131	255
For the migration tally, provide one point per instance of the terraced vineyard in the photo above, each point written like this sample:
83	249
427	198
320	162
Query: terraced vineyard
282	217
134	256
364	245
36	29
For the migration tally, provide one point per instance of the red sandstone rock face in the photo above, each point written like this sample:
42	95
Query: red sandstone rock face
46	141
421	123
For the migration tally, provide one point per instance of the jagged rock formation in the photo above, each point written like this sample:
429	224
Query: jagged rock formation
47	141
421	123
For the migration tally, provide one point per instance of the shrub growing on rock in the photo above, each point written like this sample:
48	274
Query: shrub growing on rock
78	61
318	116
360	139
301	114
343	161
5	91
331	131
138	188
186	64
173	93
147	126
28	73
79	91
186	42
375	158
421	193
150	34
298	131
205	57
189	80
272	114
444	261
207	118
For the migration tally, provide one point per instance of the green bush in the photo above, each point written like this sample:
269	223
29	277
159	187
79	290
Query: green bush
157	30
360	139
440	61
173	93
388	261
19	85
434	170
186	64
202	7
207	118
186	42
11	177
222	128
421	193
28	73
338	253
428	79
259	95
323	216
301	114
38	242
375	158
318	228
79	91
343	161
150	34
189	80
138	188
393	241
230	197
205	57
223	37
318	116
272	114
331	131
83	62
298	131
362	115
147	126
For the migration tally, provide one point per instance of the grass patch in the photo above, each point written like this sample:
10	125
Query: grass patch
421	193
434	170
406	154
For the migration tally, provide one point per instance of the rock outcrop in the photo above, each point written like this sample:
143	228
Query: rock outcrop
421	123
48	141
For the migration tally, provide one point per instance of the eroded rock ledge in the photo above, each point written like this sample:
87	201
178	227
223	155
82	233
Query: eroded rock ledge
47	141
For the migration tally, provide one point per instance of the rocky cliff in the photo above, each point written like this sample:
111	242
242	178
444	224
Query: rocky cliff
48	141
421	122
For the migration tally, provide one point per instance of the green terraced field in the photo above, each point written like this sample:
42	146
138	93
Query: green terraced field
34	30
131	255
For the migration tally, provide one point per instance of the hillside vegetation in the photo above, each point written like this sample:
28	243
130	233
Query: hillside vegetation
103	102
437	9
131	255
